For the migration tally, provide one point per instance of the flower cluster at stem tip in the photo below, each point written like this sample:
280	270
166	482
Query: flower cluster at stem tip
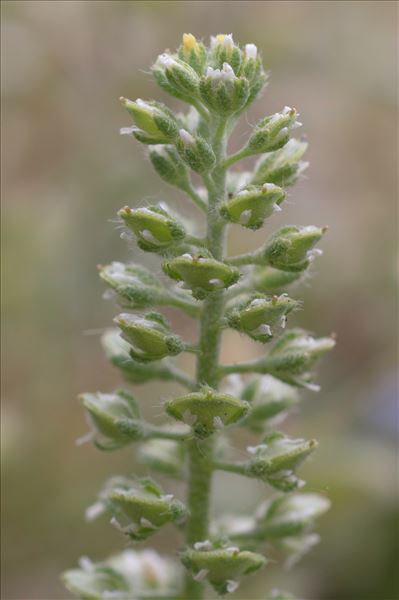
246	293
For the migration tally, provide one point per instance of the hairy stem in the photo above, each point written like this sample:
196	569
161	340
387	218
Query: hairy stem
201	451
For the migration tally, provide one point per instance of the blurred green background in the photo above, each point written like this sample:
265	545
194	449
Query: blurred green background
66	171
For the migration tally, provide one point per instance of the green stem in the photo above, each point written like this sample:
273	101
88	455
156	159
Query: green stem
250	366
165	434
238	468
233	158
201	451
196	198
249	258
189	307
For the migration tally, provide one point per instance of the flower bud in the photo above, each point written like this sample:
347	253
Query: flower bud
134	371
201	274
130	574
273	132
222	92
291	248
293	356
150	336
282	167
268	397
276	458
176	77
259	314
107	413
135	286
290	515
195	151
154	227
207	410
224	50
139	508
251	206
165	456
155	123
222	567
169	166
268	280
193	52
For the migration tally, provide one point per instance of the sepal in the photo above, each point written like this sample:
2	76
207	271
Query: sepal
260	316
134	285
201	273
272	133
155	123
169	166
268	398
149	336
195	151
294	355
225	50
193	53
108	413
222	566
155	227
282	167
274	460
291	248
252	205
207	411
138	508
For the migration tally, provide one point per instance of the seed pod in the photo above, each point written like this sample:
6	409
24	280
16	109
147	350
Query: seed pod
268	397
293	356
150	336
273	132
291	248
156	229
222	567
260	315
282	167
222	92
169	166
176	77
195	151
155	123
201	273
134	285
276	458
139	508
207	411
251	206
193	53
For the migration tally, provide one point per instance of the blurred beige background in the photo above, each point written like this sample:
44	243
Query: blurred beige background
66	171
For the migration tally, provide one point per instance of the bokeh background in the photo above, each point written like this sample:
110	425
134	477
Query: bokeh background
66	171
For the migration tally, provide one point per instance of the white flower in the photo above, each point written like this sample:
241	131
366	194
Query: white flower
186	137
251	51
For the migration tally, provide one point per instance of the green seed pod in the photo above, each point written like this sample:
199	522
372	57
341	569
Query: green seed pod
195	151
169	166
259	315
290	515
155	228
282	167
276	458
222	92
155	123
273	132
176	77
268	280
291	248
150	336
293	356
193	53
207	411
268	397
251	206
165	456
107	413
139	508
222	567
134	285
224	50
201	274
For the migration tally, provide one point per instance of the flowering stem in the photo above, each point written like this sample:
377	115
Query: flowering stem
233	158
201	451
